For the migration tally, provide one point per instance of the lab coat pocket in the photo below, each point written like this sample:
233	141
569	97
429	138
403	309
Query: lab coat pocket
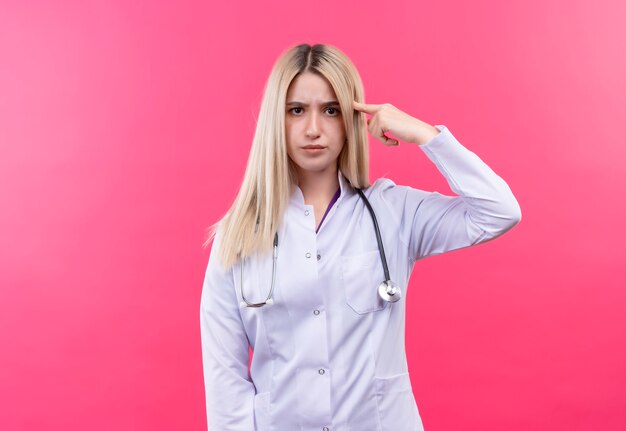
261	411
362	273
396	405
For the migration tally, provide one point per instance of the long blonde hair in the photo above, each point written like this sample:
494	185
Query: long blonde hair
250	223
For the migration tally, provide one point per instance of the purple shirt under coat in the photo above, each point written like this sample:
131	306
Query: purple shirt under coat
330	205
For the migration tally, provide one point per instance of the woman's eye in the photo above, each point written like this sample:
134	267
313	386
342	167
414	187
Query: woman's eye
332	111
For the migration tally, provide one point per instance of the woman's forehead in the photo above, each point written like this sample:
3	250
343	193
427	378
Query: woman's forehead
310	88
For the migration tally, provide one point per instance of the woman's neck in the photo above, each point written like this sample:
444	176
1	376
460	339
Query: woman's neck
318	188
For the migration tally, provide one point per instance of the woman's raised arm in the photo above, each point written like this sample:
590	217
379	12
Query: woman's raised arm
432	223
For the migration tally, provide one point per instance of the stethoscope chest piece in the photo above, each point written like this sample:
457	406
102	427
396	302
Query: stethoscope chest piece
389	292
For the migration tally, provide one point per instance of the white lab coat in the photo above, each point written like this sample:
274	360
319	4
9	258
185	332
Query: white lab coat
329	354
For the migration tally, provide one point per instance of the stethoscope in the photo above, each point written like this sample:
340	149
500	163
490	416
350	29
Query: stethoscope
387	290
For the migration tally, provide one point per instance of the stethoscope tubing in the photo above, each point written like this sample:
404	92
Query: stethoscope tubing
381	248
385	285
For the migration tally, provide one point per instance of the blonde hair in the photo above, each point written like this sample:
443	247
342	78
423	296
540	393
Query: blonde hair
250	223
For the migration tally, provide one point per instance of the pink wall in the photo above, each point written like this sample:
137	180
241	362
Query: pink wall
124	132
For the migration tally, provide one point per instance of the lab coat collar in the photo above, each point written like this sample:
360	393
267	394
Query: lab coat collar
297	197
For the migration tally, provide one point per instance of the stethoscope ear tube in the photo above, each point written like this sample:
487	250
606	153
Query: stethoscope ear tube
270	299
381	248
387	290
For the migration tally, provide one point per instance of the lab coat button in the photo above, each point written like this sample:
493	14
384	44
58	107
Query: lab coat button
306	213
316	312
321	371
325	429
319	256
308	255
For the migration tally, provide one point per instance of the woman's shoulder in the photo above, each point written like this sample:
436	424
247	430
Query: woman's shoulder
397	198
384	187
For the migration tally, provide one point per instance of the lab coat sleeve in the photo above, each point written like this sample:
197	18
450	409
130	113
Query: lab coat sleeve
229	390
431	223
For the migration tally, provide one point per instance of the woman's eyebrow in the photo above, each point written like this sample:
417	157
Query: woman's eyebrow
330	102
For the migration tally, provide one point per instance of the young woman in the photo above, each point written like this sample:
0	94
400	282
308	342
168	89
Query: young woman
310	265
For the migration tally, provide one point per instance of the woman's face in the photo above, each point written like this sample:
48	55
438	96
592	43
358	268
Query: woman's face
313	123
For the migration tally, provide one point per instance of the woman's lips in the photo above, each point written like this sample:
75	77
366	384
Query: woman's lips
313	149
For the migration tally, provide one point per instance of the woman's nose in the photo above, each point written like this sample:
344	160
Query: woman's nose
312	130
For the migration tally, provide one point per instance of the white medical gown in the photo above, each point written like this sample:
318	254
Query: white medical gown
329	353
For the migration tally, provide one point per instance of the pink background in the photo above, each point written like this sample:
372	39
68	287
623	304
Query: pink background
124	132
